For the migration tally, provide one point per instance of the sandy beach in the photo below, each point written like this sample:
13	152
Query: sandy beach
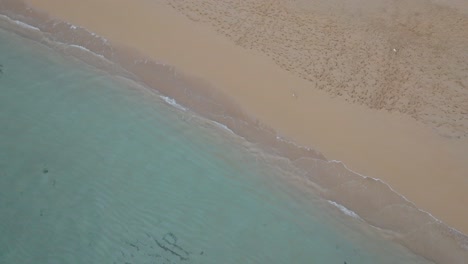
382	89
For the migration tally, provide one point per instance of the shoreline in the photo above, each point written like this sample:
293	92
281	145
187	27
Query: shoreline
375	117
388	146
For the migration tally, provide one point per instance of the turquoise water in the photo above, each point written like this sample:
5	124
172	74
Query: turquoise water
95	169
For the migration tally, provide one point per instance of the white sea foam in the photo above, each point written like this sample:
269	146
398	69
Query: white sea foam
223	127
376	179
379	180
173	102
85	49
402	196
22	24
19	23
73	27
292	142
27	26
344	209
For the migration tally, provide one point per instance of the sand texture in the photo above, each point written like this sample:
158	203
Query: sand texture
409	57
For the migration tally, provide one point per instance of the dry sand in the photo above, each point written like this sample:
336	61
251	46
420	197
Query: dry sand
383	89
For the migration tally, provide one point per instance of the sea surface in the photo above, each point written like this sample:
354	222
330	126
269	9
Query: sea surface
96	168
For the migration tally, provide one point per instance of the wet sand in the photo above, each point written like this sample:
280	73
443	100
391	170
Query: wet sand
424	159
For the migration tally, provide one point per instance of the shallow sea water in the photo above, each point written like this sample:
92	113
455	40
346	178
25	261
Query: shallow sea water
96	169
